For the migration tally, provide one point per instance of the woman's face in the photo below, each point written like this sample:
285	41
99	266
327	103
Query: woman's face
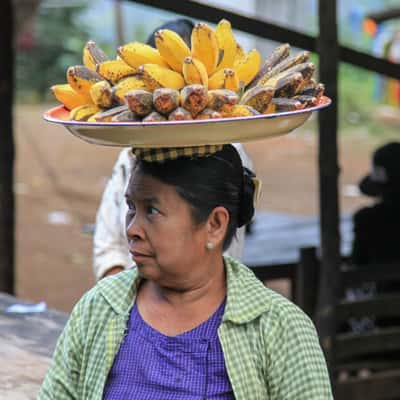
164	241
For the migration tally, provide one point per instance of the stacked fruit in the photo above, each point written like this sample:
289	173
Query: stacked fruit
214	78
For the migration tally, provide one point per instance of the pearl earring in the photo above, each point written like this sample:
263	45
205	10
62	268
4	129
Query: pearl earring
210	245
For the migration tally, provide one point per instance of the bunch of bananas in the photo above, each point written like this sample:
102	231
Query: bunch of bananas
214	78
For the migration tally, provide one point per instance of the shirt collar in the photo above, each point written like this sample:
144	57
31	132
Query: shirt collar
246	299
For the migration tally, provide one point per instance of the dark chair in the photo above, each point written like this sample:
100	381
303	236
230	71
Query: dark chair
364	365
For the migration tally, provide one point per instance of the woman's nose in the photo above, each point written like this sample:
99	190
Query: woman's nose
133	227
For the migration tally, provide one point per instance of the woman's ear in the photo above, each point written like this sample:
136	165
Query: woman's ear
217	225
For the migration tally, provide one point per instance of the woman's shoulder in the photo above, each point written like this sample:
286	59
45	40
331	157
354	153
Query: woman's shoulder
114	293
261	301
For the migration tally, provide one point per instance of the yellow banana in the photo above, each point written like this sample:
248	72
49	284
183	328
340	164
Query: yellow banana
231	81
156	77
216	80
101	94
93	55
81	79
239	53
136	54
226	44
84	112
172	48
127	84
248	66
194	71
67	96
114	70
205	46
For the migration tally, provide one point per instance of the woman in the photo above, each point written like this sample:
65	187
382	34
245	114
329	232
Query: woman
187	323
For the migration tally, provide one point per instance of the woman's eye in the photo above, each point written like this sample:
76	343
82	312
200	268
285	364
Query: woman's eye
131	206
152	210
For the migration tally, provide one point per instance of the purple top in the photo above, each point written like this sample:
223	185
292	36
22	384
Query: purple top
150	365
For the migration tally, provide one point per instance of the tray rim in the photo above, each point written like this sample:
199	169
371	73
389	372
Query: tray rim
47	116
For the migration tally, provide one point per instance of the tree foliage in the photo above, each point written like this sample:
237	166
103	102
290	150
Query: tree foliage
59	37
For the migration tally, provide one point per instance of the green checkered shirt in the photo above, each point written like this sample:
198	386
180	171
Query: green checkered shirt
270	346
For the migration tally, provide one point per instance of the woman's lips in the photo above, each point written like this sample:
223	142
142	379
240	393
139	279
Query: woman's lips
137	255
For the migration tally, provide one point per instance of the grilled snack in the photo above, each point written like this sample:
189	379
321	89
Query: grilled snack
208	113
165	100
240	110
308	101
140	102
289	85
282	104
258	97
277	56
222	99
154	117
194	98
283	66
125	116
180	114
107	116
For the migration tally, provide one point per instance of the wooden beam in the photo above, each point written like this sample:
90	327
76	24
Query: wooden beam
328	172
385	15
274	32
7	218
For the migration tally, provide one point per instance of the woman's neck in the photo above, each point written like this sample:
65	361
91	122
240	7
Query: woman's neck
192	288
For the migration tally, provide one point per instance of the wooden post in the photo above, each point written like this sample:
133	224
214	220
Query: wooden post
307	279
119	23
7	218
328	173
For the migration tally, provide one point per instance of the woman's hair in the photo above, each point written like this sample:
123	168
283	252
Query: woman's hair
182	27
209	182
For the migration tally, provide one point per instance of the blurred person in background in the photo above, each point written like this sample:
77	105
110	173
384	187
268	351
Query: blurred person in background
110	250
376	228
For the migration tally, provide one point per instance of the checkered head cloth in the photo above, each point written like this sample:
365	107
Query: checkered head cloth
172	153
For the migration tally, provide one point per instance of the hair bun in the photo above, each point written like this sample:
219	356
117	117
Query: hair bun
246	209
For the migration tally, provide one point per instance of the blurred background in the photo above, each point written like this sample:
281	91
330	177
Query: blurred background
60	179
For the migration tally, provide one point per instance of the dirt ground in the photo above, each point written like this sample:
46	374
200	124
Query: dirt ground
60	179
